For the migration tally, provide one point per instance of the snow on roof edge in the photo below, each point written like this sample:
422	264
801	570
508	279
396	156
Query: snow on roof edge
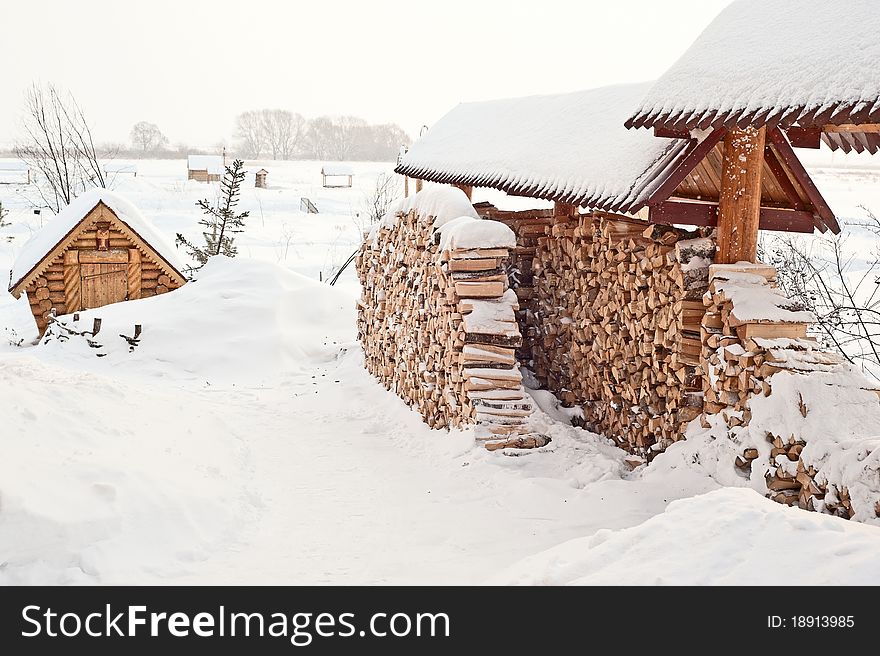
62	224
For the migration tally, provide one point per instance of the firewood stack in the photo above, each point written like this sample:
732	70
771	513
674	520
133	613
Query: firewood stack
438	328
744	344
528	226
751	332
616	324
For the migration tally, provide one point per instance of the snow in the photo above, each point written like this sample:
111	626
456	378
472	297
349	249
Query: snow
213	164
493	317
337	169
14	165
120	167
242	442
467	233
567	145
755	301
768	55
69	217
726	537
439	203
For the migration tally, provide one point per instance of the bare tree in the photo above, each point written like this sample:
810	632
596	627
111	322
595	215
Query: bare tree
58	145
249	134
282	131
376	204
842	291
148	137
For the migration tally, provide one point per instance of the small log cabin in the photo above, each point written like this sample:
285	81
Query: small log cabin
336	176
205	168
96	251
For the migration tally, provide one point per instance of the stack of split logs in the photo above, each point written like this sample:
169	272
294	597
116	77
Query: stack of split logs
528	226
751	331
615	326
744	344
438	328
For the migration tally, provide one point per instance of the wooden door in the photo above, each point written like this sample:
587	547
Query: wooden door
103	284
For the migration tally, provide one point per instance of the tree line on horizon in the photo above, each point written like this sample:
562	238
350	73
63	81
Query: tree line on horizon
280	134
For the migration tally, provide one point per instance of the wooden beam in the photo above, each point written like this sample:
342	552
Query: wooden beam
865	128
808	137
673	212
739	207
789	158
781	177
418	185
696	153
671	134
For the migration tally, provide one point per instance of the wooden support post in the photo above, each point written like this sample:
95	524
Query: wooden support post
72	291
134	274
564	209
418	185
739	208
405	186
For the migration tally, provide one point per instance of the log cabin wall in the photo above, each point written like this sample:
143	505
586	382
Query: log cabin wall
101	266
438	328
614	324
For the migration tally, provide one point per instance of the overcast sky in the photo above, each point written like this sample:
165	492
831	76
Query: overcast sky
191	65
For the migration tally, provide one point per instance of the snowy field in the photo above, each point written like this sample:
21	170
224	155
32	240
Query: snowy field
241	441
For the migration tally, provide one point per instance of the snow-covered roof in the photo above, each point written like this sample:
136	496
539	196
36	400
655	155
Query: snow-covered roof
569	147
810	62
337	169
120	167
13	165
66	221
213	164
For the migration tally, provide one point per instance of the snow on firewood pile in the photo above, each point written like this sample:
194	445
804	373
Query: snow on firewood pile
730	536
436	318
801	424
769	56
752	298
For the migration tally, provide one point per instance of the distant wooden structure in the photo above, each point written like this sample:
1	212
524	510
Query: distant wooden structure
15	172
336	176
120	168
260	178
205	168
307	206
96	251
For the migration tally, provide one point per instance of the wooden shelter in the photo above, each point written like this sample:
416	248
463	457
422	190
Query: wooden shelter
260	178
205	168
574	149
763	77
96	251
15	172
336	176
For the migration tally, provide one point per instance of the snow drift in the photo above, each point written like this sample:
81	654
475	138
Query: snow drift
729	536
241	322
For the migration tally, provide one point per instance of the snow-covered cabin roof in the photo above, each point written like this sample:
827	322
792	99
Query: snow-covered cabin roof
14	165
570	147
120	167
804	63
65	223
337	169
213	164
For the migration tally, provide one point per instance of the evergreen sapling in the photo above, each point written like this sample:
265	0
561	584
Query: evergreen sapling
221	221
